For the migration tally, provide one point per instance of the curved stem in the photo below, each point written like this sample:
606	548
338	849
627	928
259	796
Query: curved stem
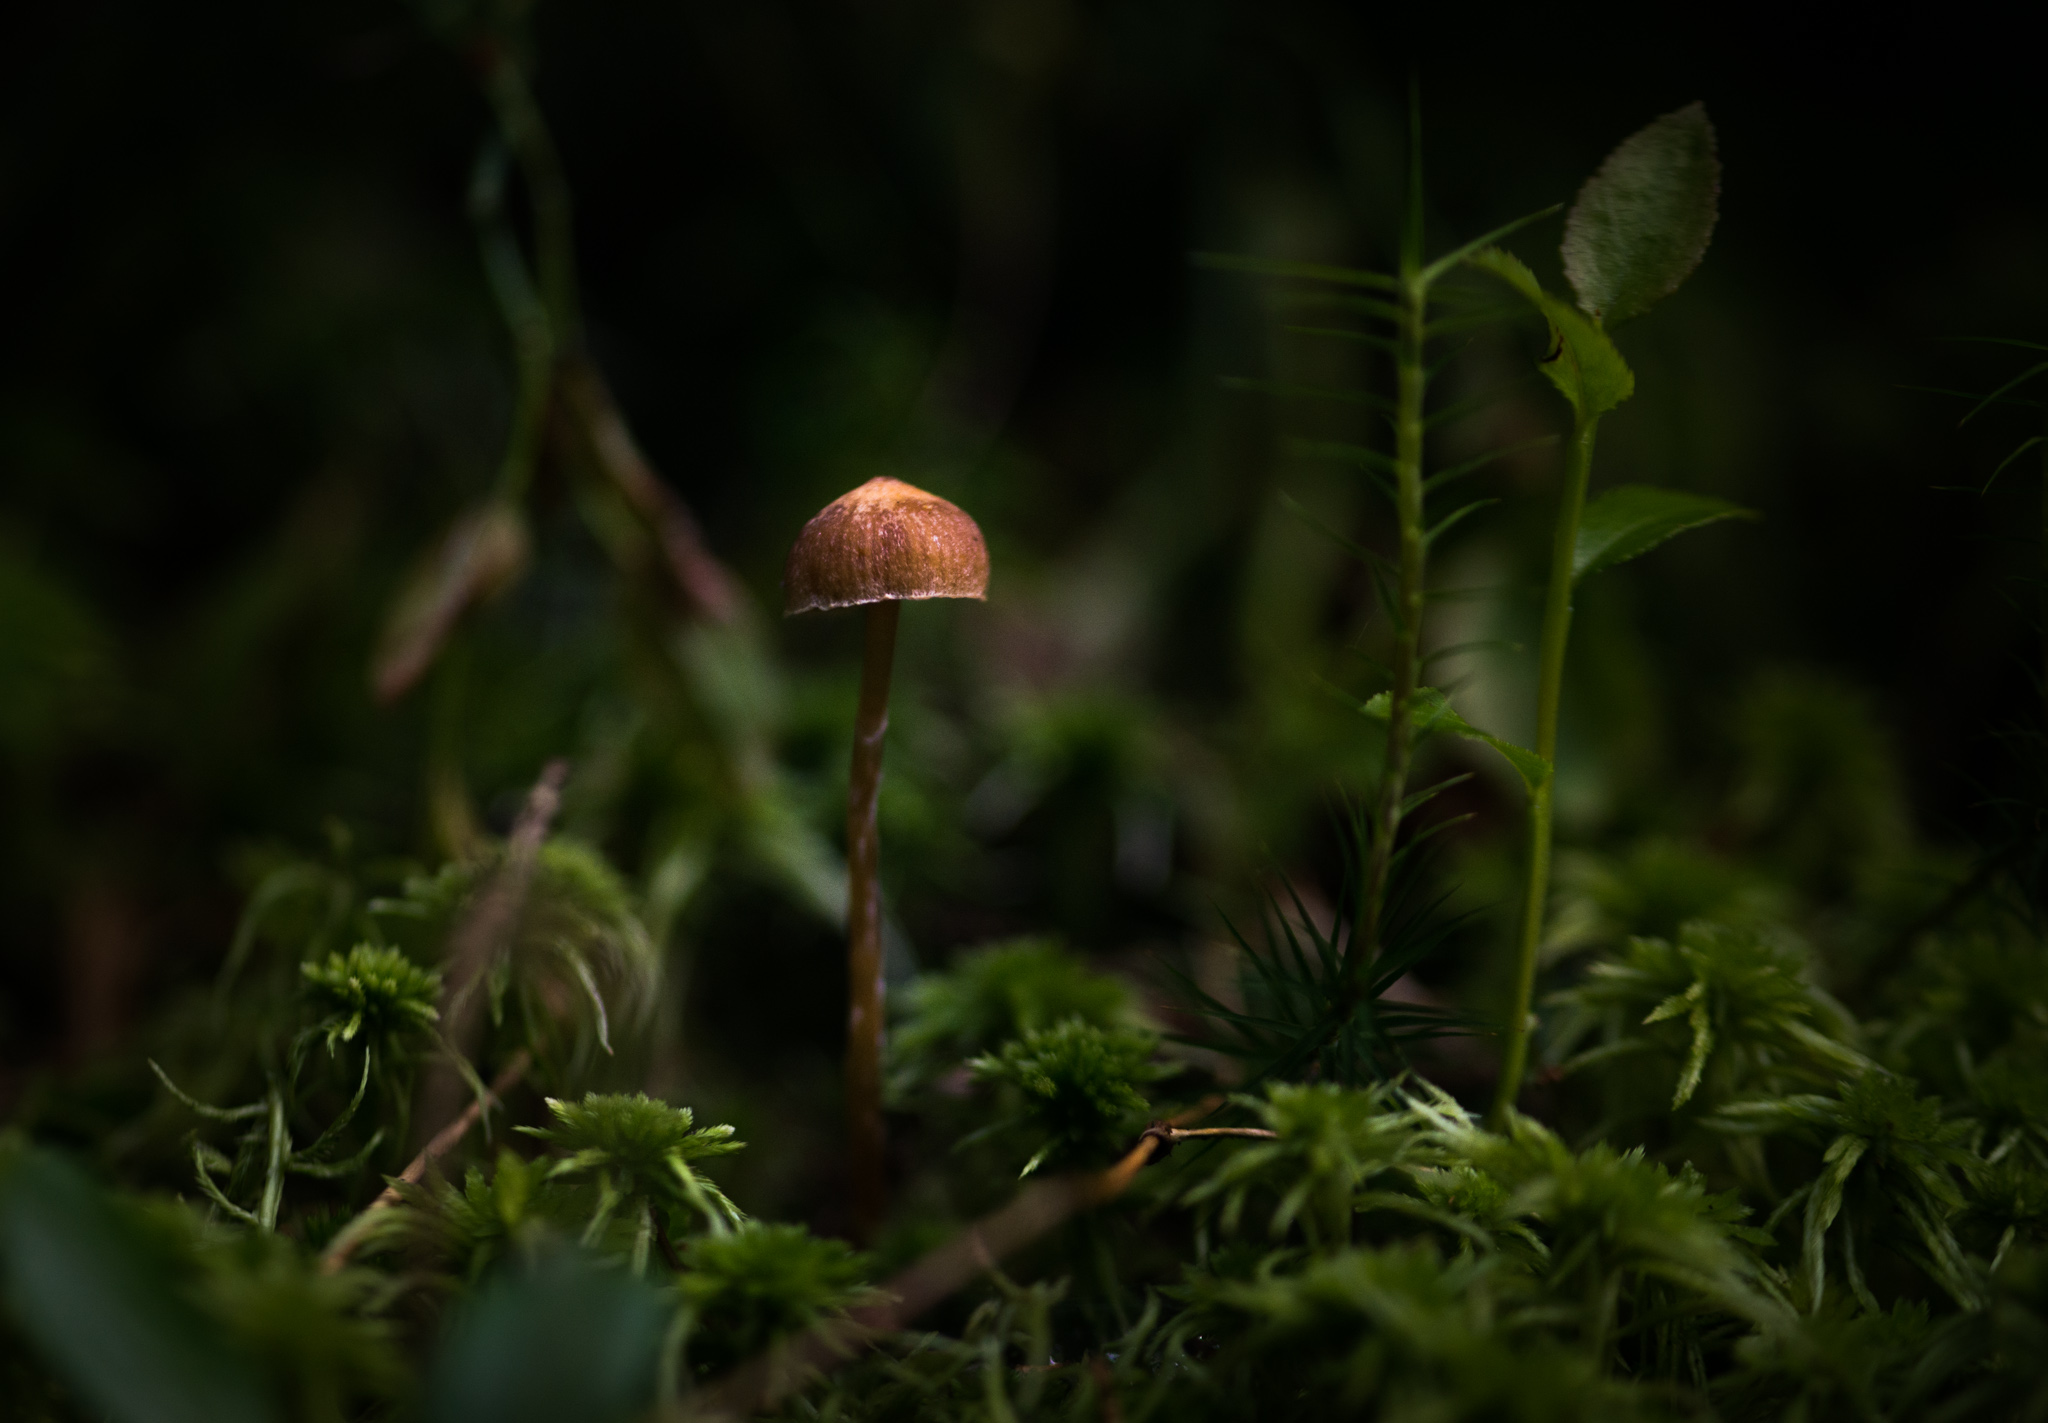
865	1137
1557	623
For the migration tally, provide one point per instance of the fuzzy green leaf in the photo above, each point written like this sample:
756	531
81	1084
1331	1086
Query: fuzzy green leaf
1641	223
1633	519
1432	712
1581	361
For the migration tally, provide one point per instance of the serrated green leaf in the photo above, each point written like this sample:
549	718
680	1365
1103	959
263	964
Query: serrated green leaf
1432	712
1582	363
1641	223
1634	518
1702	1025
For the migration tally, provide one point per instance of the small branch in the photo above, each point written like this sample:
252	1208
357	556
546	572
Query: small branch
1169	1136
707	585
483	934
444	1141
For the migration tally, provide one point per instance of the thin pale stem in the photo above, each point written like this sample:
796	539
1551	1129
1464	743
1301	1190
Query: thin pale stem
1557	624
865	1137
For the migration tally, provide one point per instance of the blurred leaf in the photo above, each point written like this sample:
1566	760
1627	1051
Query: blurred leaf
103	1306
1581	361
1641	223
1434	713
1631	520
561	1339
744	1291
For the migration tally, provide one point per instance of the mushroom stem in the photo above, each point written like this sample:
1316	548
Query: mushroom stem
864	929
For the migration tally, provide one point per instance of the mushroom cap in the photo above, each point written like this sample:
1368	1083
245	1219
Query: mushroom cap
883	542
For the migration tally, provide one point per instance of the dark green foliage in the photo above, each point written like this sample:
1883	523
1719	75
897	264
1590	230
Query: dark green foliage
1331	1142
466	1229
579	945
1741	1016
992	995
88	1286
1890	1158
560	1337
1652	887
1073	1090
1397	1333
744	1290
379	993
639	1152
1298	1019
324	1350
1786	1157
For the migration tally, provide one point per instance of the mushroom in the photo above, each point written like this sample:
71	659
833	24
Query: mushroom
880	545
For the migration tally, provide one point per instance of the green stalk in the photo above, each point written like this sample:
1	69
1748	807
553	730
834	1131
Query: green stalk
1411	379
1557	625
1411	384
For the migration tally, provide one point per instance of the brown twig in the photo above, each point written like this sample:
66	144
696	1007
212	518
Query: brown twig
705	583
1169	1136
482	935
767	1378
444	1141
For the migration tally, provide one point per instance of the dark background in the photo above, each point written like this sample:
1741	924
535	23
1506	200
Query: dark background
249	369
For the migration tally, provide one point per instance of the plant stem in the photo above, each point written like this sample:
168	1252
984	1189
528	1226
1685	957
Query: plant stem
273	1176
864	929
1557	624
1411	382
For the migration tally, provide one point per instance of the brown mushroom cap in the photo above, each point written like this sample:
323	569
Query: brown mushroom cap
883	542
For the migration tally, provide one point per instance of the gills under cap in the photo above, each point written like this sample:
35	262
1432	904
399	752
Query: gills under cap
886	541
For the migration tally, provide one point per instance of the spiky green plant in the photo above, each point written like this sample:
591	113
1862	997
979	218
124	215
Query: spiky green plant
745	1290
994	994
466	1228
1298	1014
1886	1151
1331	1142
638	1152
1723	999
1074	1089
1403	314
377	993
1394	1333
